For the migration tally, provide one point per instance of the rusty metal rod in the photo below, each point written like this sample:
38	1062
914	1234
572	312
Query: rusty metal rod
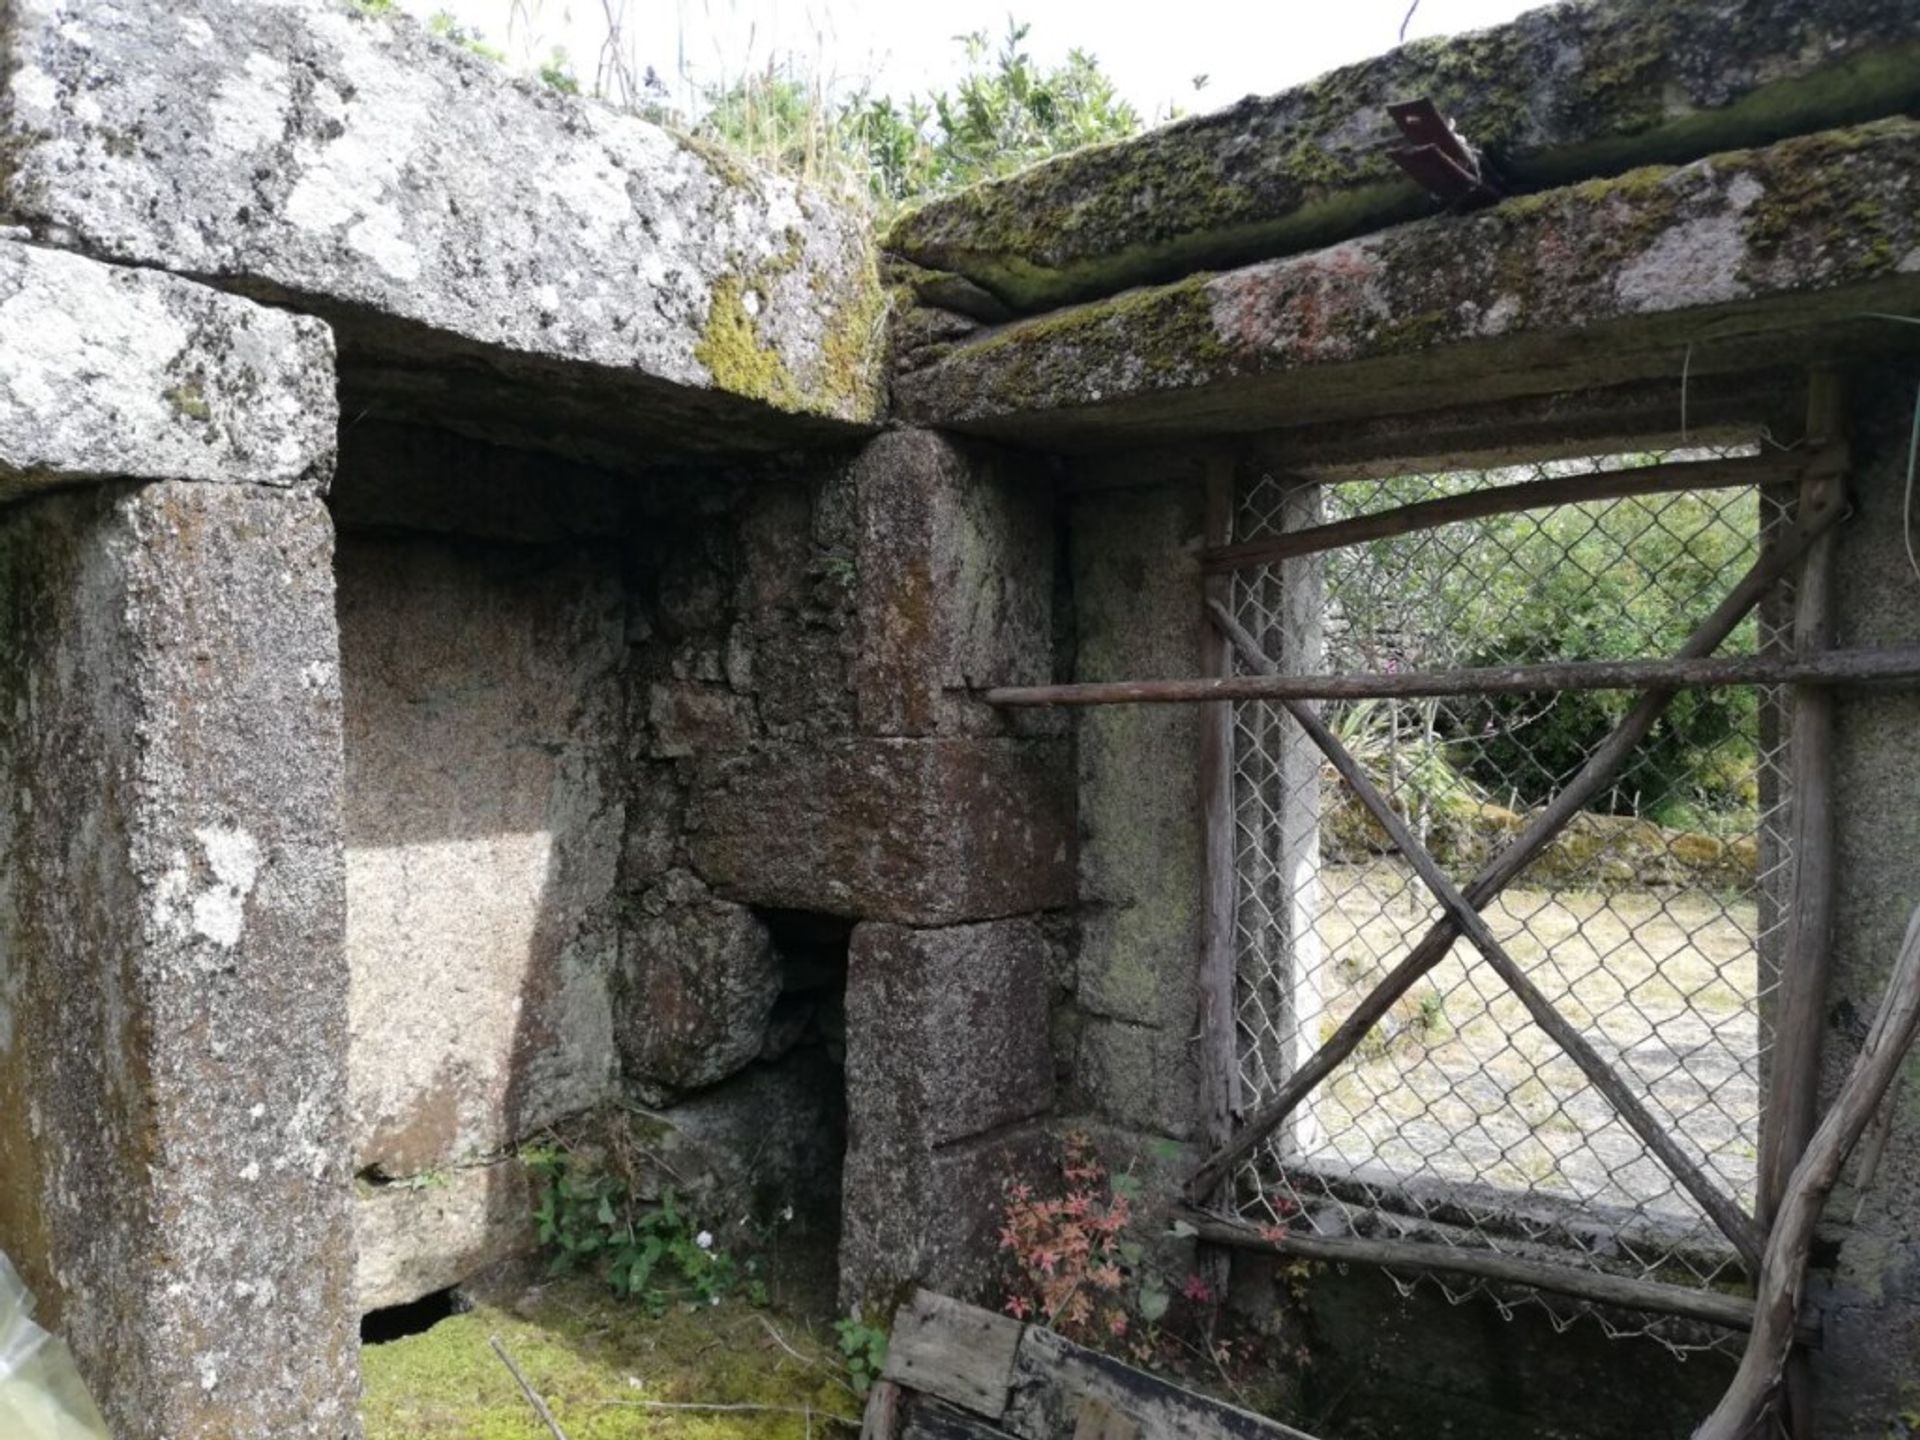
1827	667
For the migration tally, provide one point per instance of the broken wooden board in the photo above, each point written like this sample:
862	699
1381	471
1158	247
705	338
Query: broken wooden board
957	1372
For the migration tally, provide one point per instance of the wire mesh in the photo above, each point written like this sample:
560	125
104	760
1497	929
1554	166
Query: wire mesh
1652	923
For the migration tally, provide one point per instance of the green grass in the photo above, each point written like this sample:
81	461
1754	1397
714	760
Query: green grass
590	1357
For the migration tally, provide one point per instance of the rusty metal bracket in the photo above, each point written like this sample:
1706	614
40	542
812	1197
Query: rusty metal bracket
1439	159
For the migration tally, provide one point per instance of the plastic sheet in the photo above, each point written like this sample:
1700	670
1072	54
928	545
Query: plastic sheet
41	1394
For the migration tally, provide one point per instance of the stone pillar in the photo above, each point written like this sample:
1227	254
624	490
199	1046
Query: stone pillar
944	827
1136	584
173	1148
1869	1295
947	1055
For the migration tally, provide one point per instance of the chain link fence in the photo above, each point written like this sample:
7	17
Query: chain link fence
1651	923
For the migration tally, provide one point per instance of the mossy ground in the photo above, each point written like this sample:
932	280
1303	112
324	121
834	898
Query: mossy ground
591	1356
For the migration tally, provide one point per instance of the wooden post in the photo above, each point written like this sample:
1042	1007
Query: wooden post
1219	1049
1794	1081
1823	667
1652	1296
1783	1271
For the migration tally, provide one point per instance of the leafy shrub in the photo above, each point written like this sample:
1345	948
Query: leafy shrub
589	1218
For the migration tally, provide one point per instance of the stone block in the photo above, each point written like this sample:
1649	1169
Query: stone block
934	1220
956	583
919	832
687	717
484	823
1139	1076
697	980
173	1002
418	1238
1762	250
1561	93
350	159
947	1031
108	372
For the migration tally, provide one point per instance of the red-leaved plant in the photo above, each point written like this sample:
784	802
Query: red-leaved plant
1071	1258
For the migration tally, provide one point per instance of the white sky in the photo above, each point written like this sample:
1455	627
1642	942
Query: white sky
1152	51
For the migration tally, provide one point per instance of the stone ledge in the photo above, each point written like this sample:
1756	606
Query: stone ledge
1562	93
446	216
1597	283
111	373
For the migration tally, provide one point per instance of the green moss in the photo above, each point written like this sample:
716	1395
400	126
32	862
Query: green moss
734	354
589	1356
1856	235
1308	167
725	163
853	350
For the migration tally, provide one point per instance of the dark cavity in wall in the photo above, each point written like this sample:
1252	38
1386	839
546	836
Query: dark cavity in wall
397	1322
797	1174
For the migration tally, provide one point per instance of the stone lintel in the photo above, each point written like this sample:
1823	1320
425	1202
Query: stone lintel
109	372
1721	264
478	239
918	832
1563	93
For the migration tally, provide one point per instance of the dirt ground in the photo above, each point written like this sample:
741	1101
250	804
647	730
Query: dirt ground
1461	1085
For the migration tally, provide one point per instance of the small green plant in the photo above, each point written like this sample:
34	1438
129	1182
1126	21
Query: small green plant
374	7
655	1254
444	25
865	1349
556	73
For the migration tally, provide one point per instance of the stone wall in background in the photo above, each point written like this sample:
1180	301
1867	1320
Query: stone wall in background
634	811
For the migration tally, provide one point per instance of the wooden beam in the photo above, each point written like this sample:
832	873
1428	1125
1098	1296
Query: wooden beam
1820	668
1774	560
1783	1270
1711	1306
1219	1059
1793	1082
957	1352
1674	478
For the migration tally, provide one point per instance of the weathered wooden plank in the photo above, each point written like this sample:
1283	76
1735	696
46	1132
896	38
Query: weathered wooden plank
1100	1421
953	1351
928	1419
1054	1379
881	1419
1677	478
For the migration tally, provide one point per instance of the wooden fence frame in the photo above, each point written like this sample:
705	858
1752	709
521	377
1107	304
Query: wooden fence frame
1816	472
